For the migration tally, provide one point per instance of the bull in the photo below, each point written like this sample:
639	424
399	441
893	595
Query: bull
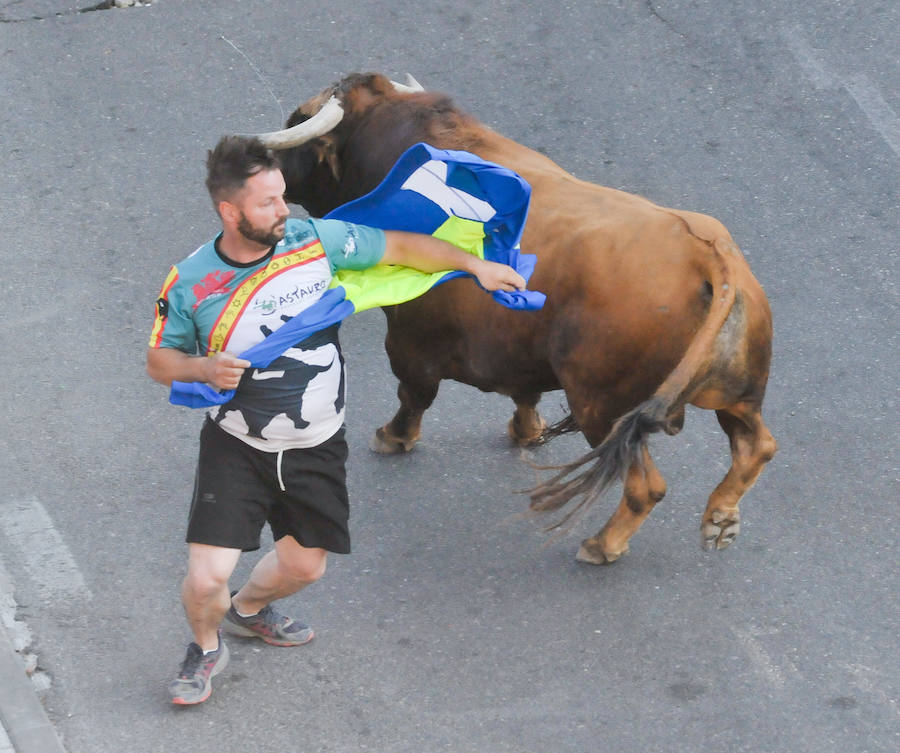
648	310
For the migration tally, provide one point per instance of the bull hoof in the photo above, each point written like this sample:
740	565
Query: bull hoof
720	529
386	445
591	553
526	441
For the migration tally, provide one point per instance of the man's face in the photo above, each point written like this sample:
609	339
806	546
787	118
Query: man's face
262	208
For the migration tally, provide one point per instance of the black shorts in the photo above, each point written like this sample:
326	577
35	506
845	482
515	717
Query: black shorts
238	489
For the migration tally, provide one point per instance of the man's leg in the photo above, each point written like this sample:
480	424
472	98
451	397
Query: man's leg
282	572
311	507
204	591
288	568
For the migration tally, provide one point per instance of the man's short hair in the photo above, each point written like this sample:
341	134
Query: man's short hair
234	159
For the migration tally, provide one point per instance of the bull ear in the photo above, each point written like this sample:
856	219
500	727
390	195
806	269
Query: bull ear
326	152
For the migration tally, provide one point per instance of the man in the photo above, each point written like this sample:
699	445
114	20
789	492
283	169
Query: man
276	451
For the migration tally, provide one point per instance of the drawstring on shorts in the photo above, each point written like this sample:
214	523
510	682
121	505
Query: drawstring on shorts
278	469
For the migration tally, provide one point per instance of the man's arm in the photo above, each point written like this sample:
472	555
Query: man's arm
429	254
223	370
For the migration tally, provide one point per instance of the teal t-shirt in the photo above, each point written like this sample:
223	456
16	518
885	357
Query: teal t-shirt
210	303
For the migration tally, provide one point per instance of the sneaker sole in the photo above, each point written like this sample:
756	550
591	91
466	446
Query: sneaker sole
220	665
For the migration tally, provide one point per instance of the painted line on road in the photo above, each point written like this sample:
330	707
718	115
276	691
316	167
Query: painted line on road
760	658
872	681
876	109
866	95
44	553
5	744
806	58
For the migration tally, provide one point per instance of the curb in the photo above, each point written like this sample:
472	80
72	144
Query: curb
21	712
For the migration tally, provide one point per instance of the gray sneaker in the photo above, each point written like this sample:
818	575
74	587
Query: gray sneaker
269	625
194	681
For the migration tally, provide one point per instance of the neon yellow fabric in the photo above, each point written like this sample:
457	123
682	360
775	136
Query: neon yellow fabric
391	284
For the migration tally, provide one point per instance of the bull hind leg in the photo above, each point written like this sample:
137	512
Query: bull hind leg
752	446
644	487
402	432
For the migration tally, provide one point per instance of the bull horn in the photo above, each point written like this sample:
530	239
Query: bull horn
319	124
410	87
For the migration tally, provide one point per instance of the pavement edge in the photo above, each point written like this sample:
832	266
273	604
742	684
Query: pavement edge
21	712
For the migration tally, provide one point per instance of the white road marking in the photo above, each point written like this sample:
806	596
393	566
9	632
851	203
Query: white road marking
5	744
876	109
866	95
48	561
759	657
873	682
806	57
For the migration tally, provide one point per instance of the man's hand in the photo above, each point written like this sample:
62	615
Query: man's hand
494	276
224	370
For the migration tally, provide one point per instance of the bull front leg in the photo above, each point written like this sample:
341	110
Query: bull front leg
402	432
526	427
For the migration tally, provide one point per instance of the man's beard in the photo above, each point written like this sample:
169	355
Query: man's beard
259	235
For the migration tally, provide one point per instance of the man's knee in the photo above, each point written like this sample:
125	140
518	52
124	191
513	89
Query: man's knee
203	585
307	569
301	564
209	569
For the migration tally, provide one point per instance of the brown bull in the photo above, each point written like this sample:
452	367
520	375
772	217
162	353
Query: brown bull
648	310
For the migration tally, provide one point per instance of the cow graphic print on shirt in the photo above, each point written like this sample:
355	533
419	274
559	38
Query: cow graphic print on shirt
303	386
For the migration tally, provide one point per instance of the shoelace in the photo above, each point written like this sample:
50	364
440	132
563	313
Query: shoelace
269	616
191	661
274	620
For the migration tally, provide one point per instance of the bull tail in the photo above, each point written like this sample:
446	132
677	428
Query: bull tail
623	445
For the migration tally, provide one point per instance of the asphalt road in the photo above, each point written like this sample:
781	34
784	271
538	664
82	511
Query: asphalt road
457	625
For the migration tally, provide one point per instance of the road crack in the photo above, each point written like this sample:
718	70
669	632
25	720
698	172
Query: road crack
665	21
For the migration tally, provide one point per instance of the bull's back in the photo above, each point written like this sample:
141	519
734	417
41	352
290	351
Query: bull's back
598	236
627	284
630	286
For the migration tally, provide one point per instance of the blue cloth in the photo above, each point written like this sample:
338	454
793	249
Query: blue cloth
468	187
